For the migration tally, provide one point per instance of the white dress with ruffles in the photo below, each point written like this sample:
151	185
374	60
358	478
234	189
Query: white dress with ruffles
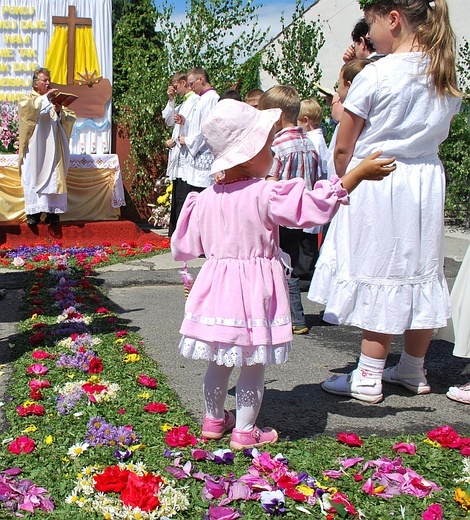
381	265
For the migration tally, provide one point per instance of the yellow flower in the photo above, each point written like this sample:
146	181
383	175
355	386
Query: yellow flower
49	439
161	199
166	427
29	403
30	429
136	447
131	358
305	490
70	376
462	498
432	443
118	341
144	395
170	188
379	489
65	459
94	379
34	317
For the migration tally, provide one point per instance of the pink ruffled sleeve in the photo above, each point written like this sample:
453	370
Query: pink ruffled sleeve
186	239
293	205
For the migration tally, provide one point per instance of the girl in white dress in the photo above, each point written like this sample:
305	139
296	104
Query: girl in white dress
381	267
457	330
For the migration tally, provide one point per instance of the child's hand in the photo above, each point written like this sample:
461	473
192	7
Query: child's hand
374	169
369	169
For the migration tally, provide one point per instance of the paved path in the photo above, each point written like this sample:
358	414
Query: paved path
148	293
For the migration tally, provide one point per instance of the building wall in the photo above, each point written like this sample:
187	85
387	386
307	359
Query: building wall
338	17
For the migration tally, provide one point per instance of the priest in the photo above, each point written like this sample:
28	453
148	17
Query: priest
45	127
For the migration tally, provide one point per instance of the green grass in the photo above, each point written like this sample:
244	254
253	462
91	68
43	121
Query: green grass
49	465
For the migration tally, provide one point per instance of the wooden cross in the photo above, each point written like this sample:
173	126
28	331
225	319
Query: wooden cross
72	22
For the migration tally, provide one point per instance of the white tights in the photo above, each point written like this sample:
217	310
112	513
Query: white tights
250	389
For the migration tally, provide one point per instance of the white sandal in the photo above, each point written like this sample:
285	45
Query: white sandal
420	386
461	394
345	386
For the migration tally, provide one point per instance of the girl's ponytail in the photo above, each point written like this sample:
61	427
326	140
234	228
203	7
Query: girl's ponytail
438	39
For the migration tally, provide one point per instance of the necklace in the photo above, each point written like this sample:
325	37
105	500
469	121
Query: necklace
238	179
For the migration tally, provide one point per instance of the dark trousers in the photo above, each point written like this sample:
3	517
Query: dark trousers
303	251
179	193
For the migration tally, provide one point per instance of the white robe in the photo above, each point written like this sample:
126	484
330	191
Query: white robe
198	172
47	151
178	155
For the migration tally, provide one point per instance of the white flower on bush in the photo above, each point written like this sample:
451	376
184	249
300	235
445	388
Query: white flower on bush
18	261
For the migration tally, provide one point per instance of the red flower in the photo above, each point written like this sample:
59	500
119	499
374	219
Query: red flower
180	437
141	491
35	395
41	354
37	338
102	310
37	369
446	436
113	479
32	409
351	439
121	333
39	325
21	445
91	389
433	512
156	408
96	366
291	492
130	349
147	381
36	384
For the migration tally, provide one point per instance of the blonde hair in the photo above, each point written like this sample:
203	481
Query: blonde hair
311	108
284	97
432	30
352	68
252	94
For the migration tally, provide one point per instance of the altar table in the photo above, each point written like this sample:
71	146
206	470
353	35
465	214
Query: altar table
94	185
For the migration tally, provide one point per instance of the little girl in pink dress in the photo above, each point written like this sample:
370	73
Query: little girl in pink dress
238	312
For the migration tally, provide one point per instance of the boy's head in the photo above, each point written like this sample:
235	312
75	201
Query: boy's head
310	115
236	132
360	36
348	72
252	97
287	99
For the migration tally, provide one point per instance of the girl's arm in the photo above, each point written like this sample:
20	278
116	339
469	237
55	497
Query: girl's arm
348	133
369	169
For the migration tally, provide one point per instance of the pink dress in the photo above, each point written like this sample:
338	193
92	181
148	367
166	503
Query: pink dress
238	309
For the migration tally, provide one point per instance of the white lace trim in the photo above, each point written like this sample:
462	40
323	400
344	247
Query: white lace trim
237	322
234	355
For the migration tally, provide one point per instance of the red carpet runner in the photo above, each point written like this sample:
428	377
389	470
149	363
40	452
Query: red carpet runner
112	232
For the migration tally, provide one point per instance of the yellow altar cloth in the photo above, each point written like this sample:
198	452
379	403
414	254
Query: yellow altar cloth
94	185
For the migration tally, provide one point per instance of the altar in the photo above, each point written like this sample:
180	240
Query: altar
94	185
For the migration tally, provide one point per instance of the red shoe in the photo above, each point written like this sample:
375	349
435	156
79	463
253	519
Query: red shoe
252	439
215	428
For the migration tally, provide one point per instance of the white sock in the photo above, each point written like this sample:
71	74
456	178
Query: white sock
250	390
369	368
368	375
411	365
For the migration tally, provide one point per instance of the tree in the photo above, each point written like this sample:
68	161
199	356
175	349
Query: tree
292	58
149	47
218	35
